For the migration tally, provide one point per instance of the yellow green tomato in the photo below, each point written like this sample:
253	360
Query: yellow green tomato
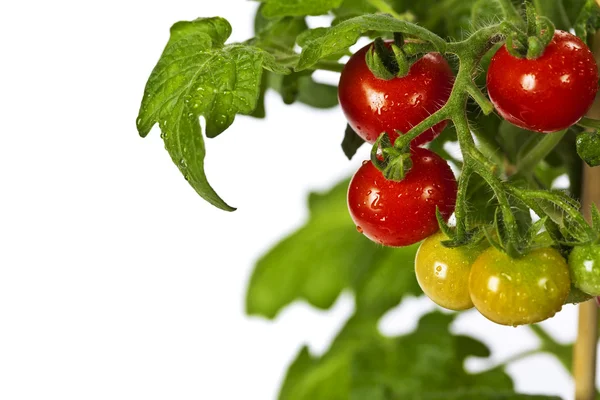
443	273
516	291
584	262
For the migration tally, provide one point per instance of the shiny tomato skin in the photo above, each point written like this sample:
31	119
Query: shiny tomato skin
584	262
373	105
516	291
443	273
546	94
402	213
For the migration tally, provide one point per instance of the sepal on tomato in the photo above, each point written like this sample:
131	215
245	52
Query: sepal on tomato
576	296
379	59
388	61
394	161
531	42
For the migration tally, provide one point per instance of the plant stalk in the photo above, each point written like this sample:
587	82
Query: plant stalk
584	351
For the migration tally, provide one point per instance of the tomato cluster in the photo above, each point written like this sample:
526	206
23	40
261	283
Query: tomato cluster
389	212
546	94
508	291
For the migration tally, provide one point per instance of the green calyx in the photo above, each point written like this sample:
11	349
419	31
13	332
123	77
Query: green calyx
531	41
388	61
511	232
394	161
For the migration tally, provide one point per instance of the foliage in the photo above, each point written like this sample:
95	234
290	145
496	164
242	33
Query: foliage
506	171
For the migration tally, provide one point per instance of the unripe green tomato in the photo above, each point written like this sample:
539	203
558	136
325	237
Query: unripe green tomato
584	262
443	273
516	291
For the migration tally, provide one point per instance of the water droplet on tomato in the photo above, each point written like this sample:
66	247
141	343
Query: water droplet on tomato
376	201
359	229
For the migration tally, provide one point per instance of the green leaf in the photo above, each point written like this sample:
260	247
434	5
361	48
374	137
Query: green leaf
314	262
284	8
303	88
260	110
278	37
576	296
316	94
324	257
351	142
448	18
363	364
338	38
386	280
198	75
354	8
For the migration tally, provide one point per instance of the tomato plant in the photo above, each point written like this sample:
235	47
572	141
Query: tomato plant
443	273
539	79
373	105
546	94
516	291
402	213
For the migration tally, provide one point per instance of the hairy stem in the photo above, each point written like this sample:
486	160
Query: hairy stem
509	11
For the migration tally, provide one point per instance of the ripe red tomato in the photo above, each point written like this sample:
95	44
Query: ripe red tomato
443	273
516	291
373	105
549	93
402	213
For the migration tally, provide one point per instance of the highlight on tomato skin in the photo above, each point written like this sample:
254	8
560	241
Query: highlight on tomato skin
517	291
372	105
402	213
443	273
546	94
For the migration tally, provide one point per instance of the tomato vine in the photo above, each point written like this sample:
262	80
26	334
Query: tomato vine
502	179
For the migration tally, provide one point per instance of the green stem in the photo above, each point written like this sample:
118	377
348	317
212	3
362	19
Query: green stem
486	106
509	11
589	123
526	166
515	358
460	210
551	226
421	127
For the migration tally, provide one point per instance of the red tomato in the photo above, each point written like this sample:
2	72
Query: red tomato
549	93
402	213
373	105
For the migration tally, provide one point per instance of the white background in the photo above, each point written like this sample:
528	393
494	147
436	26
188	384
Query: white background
116	280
